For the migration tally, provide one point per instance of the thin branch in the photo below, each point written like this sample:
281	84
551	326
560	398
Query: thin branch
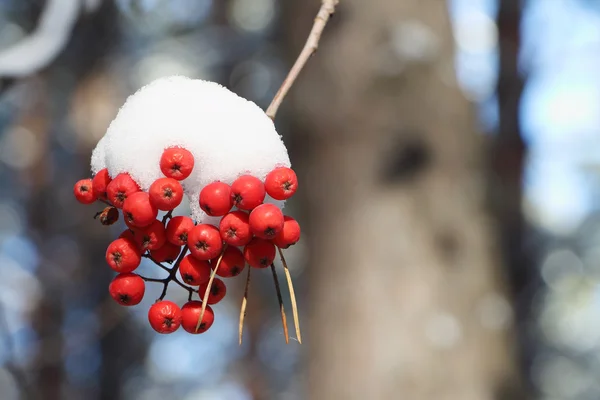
312	43
281	308
288	276
208	286
244	303
167	216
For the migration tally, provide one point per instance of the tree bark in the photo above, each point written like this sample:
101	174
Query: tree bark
408	297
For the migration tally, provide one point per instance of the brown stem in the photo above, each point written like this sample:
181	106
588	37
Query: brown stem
243	308
288	276
281	308
312	43
207	291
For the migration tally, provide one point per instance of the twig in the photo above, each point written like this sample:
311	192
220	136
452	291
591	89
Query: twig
281	308
312	43
167	216
207	291
288	276
172	277
244	303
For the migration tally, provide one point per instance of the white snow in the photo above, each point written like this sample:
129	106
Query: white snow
228	135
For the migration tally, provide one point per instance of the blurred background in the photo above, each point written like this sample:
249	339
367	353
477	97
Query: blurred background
449	174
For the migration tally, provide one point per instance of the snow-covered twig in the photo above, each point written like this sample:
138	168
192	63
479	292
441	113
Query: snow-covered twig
312	43
40	48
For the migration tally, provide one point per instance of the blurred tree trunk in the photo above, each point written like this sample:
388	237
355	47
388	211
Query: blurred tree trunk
408	292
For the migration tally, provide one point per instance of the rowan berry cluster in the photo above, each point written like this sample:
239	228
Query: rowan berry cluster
249	232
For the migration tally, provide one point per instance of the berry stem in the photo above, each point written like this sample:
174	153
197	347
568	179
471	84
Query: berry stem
312	43
288	276
207	291
167	216
243	308
281	308
172	277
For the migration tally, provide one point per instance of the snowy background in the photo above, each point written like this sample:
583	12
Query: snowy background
53	316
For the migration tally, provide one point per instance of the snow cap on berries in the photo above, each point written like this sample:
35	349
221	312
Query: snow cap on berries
228	135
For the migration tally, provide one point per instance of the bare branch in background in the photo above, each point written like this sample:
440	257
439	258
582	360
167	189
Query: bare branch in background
39	49
312	43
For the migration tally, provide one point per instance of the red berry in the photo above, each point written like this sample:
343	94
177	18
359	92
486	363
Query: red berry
215	199
178	230
120	188
191	314
235	228
281	183
232	263
266	221
204	242
259	253
127	289
151	237
129	235
289	235
217	291
165	193
176	163
100	182
164	316
122	255
138	211
247	192
194	272
168	252
83	191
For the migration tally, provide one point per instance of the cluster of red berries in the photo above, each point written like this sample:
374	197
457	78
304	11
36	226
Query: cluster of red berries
249	233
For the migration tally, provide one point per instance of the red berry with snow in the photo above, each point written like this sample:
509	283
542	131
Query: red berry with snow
120	188
151	237
138	211
191	314
235	228
232	263
247	192
281	183
178	229
127	289
84	192
166	193
193	271
289	235
218	290
204	242
259	253
168	252
100	182
215	199
176	163
123	256
266	221
165	316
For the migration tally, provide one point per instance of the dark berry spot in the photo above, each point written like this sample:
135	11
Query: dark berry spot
214	290
183	237
235	271
206	208
124	298
168	322
287	185
264	261
269	232
121	196
202	245
231	232
84	188
202	326
168	193
237	198
129	217
117	257
176	167
188	278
